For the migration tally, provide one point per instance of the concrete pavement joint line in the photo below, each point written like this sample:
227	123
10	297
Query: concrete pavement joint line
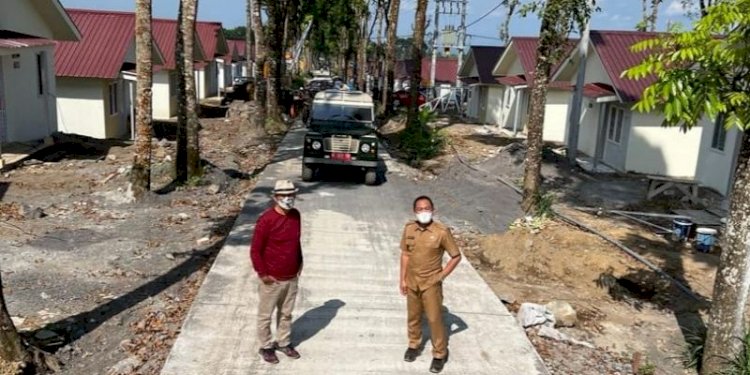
218	336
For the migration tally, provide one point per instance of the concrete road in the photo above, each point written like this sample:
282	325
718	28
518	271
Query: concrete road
350	318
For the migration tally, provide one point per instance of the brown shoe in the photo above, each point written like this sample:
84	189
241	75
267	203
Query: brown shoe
269	355
289	351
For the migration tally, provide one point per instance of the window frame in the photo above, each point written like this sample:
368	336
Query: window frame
719	135
614	120
114	98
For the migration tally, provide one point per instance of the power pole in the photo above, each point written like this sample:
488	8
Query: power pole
574	121
461	40
435	44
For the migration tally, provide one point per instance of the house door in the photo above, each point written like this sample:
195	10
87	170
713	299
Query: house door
616	132
3	124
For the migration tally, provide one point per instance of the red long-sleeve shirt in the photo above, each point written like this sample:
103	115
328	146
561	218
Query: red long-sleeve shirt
276	250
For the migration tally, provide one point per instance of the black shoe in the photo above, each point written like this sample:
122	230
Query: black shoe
411	355
437	365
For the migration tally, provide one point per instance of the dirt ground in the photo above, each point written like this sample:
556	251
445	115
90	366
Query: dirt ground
637	321
104	283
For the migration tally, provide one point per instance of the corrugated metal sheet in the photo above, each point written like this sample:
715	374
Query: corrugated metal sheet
23	42
486	58
597	90
526	49
613	48
518	80
165	35
237	48
446	70
208	32
105	39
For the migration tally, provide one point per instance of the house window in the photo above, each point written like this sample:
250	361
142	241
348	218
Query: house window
614	124
114	98
719	138
41	73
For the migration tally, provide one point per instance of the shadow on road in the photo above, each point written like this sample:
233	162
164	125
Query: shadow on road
453	325
313	321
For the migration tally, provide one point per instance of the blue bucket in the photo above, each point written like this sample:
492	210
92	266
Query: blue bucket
705	239
681	229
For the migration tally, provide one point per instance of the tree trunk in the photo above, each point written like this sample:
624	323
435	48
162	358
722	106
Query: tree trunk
249	37
184	66
11	347
420	19
141	174
190	13
260	61
726	324
362	52
275	59
390	55
654	14
533	164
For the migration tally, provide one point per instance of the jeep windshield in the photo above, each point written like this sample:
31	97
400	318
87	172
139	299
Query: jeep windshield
329	117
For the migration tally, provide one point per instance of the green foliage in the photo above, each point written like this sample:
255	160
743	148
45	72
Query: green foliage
236	33
701	72
692	353
544	205
739	364
647	369
421	142
334	20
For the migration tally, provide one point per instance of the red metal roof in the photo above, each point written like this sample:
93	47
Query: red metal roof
613	48
106	37
208	32
239	46
165	35
597	90
525	48
517	80
446	70
9	39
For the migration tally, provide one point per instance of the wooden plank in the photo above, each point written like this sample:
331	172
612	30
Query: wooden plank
701	217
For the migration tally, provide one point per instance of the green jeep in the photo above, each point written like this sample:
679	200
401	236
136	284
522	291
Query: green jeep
341	132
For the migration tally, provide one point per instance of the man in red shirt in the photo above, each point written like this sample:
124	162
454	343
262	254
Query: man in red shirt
276	254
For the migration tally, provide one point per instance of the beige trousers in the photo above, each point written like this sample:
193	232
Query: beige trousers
429	302
279	296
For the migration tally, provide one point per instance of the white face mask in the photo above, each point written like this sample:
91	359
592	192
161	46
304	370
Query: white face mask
286	203
424	217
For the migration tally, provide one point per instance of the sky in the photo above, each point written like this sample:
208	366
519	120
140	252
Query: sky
614	15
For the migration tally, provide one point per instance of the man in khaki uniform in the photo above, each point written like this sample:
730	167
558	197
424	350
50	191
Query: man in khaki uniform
422	273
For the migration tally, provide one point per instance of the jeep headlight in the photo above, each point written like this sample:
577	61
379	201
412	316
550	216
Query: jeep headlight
365	148
316	145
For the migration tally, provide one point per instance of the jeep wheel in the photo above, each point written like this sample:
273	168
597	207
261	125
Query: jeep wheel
371	177
307	173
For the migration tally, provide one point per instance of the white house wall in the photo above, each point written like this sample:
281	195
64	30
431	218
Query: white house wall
715	166
589	130
29	115
556	116
22	17
493	112
165	104
82	106
654	149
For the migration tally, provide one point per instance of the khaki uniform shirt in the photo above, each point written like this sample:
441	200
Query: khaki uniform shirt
425	248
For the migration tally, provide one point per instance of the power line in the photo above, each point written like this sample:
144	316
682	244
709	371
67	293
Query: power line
485	15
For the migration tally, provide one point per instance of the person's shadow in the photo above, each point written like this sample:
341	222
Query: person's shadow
315	320
453	325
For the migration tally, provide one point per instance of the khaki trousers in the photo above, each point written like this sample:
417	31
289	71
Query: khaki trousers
429	302
279	296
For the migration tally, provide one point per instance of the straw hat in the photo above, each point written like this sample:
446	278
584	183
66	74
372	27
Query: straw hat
284	187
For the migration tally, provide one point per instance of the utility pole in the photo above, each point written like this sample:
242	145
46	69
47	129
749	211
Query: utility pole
435	44
574	121
461	40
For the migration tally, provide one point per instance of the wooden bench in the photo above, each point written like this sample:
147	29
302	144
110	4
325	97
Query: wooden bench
660	184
